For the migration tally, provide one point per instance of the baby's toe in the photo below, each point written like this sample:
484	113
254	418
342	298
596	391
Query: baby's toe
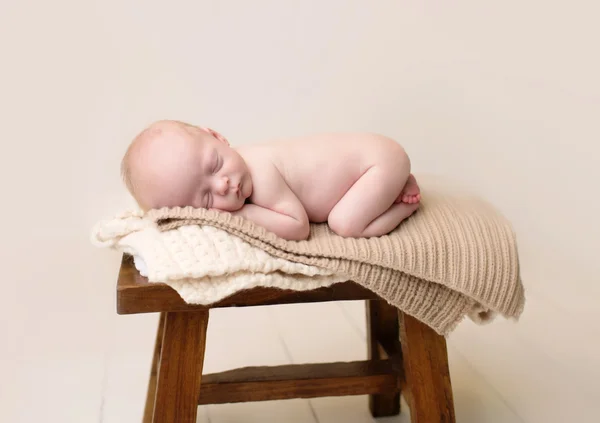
411	199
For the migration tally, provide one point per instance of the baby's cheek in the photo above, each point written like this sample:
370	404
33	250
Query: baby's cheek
232	206
219	205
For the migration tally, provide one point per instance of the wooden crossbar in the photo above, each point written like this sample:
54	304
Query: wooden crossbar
300	381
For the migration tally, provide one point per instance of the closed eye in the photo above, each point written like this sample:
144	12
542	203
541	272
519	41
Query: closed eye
218	163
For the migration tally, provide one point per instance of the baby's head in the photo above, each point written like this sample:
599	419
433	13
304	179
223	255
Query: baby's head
171	164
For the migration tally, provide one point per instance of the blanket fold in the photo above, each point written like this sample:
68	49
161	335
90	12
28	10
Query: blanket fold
455	257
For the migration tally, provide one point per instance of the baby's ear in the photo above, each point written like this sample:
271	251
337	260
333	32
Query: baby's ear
216	135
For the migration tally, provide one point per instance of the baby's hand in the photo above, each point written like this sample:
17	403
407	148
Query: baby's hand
284	226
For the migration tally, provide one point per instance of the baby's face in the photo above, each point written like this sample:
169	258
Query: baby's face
191	167
223	180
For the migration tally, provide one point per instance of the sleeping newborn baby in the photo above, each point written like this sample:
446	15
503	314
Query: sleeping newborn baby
360	184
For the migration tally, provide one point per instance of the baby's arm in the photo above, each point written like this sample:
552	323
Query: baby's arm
274	206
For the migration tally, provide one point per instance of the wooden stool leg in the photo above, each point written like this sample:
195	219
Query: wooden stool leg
149	408
382	329
180	367
427	374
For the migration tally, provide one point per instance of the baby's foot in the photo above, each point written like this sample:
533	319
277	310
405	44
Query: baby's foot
411	194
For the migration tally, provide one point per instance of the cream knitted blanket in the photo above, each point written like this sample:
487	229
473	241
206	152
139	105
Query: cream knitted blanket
455	256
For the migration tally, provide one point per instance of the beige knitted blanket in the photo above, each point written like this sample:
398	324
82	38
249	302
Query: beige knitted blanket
455	256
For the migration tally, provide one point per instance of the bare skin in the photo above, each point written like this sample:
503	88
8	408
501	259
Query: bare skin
360	184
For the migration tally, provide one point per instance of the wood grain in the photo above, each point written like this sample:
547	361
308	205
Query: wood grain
425	358
382	339
299	381
151	395
404	354
136	295
180	367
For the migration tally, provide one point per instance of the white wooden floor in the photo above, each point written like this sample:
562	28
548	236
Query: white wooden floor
278	335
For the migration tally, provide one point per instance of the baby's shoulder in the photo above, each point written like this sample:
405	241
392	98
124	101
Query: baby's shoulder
260	159
258	155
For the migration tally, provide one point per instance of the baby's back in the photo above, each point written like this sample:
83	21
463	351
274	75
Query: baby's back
320	169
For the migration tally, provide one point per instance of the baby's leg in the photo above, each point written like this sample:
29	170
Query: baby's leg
368	208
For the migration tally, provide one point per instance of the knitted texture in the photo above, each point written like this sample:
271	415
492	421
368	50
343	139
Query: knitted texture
205	264
455	256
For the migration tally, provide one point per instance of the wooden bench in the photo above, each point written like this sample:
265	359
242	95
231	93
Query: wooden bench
405	356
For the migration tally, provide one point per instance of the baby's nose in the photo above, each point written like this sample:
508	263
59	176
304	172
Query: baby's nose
223	185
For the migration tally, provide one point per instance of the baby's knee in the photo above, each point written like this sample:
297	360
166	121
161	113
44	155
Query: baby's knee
344	230
343	225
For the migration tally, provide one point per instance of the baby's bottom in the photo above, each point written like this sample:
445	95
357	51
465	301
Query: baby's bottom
376	204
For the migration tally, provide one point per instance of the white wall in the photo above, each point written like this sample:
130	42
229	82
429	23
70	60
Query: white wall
504	97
